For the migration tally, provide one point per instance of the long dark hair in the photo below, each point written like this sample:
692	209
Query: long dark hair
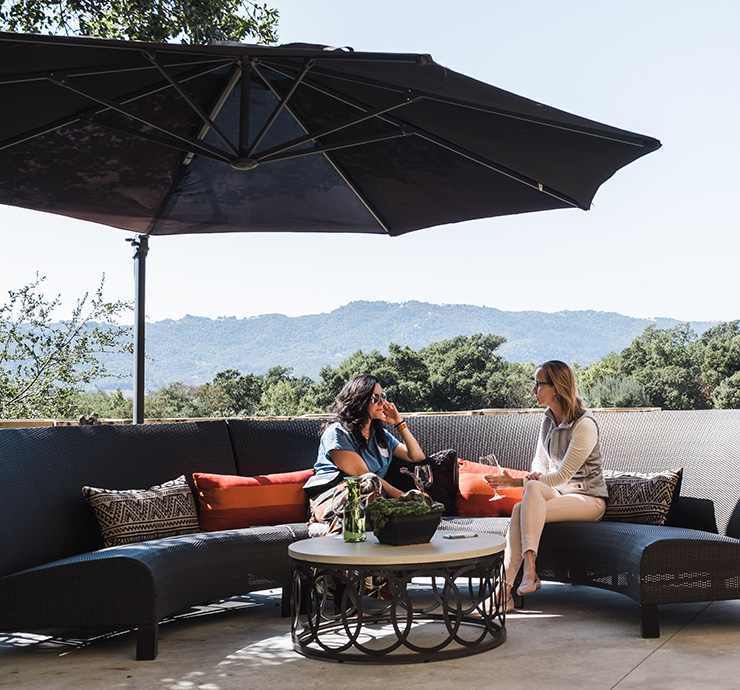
350	410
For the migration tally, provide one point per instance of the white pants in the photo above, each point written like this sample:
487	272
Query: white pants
543	504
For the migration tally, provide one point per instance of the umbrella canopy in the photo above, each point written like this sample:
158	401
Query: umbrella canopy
165	139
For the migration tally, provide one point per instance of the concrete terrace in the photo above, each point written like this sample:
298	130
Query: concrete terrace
567	637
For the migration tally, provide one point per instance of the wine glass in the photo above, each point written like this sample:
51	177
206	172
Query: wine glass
495	471
422	476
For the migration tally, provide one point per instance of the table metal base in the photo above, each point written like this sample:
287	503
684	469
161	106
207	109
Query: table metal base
428	616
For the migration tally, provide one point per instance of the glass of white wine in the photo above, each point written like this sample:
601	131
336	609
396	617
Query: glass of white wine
496	471
422	475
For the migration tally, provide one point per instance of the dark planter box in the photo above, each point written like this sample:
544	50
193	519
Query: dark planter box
401	530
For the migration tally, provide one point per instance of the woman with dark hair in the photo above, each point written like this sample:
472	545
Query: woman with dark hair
565	483
354	441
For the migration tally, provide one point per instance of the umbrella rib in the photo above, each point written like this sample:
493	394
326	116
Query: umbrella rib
620	137
282	103
193	106
360	196
313	136
92	112
191	150
335	147
351	185
480	160
587	131
231	82
511	174
340	97
112	105
110	69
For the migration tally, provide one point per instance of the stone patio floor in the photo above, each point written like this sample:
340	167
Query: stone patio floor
566	638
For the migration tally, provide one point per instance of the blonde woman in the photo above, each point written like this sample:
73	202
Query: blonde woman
565	482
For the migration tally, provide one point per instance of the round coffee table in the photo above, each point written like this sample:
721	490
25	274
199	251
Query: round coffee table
443	599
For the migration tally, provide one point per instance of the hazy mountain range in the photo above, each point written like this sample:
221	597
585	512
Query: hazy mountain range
193	349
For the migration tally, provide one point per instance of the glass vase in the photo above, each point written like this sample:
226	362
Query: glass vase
353	518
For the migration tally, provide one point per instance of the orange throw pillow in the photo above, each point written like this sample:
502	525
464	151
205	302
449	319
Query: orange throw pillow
473	493
231	501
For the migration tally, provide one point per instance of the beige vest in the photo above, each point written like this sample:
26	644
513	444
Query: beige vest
556	439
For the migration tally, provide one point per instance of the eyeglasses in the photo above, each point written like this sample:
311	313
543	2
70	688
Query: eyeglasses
537	384
375	398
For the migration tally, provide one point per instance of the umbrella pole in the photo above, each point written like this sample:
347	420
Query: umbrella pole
141	249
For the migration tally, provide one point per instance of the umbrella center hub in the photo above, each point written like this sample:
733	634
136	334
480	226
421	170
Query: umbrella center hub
243	163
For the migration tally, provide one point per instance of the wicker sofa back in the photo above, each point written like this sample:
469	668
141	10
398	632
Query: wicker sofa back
43	470
706	443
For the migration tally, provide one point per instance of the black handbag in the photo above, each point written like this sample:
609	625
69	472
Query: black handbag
319	483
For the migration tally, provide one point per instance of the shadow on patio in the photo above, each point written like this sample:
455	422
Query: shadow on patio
566	637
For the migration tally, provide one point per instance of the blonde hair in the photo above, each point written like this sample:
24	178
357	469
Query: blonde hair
564	382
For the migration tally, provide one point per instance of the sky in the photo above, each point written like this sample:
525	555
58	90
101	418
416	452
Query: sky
661	239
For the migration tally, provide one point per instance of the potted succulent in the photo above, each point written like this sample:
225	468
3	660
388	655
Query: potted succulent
412	518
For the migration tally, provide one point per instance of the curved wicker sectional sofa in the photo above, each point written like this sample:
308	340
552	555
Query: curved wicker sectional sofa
54	573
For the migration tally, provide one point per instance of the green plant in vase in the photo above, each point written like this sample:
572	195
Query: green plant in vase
411	503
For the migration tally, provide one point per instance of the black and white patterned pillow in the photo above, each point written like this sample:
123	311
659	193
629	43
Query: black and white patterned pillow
135	515
641	498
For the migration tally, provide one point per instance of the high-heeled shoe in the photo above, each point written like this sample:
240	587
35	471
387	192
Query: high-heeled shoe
529	586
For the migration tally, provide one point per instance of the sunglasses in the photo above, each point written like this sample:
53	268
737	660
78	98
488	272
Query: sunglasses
375	398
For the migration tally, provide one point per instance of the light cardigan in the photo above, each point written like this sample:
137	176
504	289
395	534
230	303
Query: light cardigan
570	463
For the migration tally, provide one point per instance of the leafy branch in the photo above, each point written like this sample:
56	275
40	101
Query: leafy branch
42	362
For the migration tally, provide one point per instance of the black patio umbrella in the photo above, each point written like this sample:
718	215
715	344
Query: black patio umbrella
166	139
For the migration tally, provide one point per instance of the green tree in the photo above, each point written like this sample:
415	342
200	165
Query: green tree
663	361
673	388
107	405
285	395
728	393
718	354
512	386
178	400
460	372
333	380
409	387
44	364
616	391
189	21
609	366
244	392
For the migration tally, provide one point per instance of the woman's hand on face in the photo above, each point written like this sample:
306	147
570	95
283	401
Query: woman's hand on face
392	415
500	481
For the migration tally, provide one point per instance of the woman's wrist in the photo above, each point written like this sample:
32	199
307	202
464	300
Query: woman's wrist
401	425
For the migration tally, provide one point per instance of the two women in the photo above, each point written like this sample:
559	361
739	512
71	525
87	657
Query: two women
565	482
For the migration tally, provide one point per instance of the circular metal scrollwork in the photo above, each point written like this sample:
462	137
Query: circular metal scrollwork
461	603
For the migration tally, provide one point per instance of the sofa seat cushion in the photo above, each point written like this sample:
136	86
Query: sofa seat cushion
484	525
233	502
132	515
141	583
649	563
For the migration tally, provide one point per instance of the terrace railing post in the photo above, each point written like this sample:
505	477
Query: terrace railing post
141	249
